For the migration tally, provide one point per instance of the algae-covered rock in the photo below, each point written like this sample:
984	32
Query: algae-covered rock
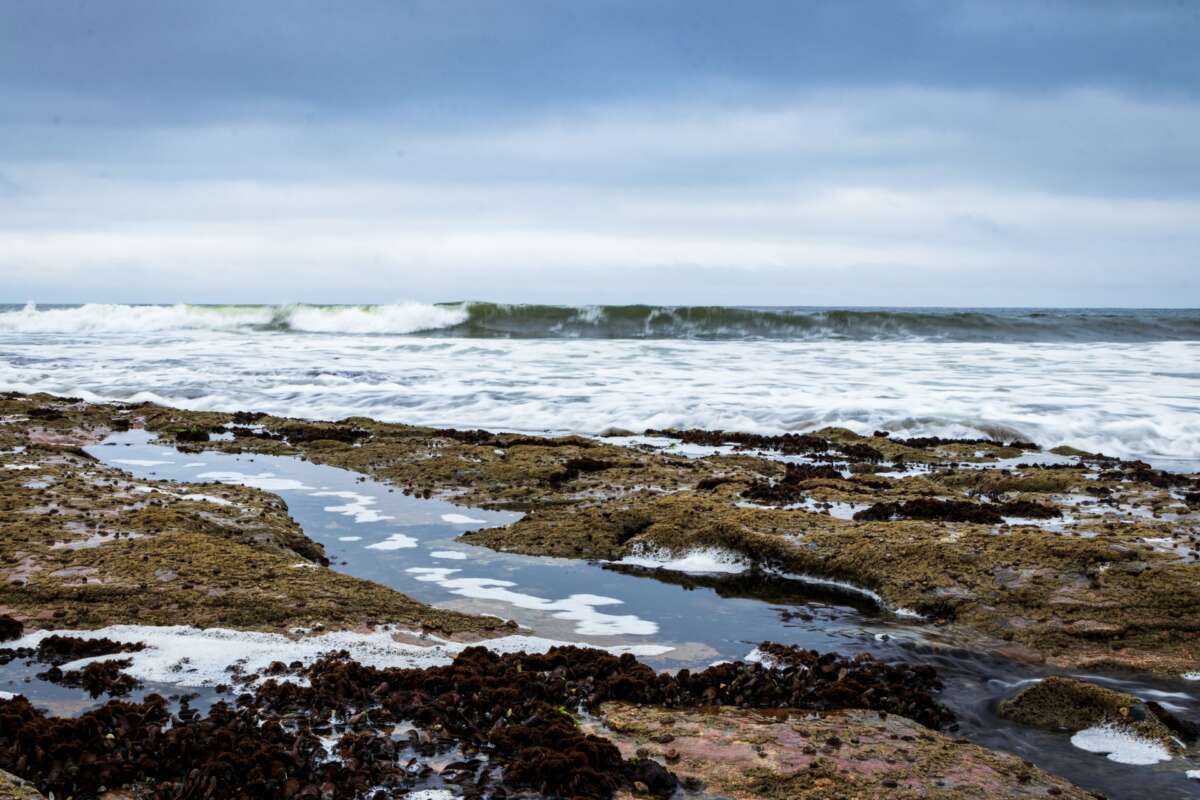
1070	705
83	545
785	754
1082	562
14	788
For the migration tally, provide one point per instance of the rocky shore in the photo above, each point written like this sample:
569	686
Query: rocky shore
1069	559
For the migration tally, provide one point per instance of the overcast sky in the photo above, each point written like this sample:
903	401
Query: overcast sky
822	153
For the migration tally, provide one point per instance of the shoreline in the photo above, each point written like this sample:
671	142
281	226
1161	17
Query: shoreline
967	535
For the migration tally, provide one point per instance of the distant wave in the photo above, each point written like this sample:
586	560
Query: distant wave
490	320
400	318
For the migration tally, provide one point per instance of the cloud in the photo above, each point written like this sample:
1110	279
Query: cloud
948	186
856	152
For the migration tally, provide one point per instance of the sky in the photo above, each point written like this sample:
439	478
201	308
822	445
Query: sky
601	151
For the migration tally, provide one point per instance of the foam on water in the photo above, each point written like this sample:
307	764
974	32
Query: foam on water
577	608
461	519
1125	398
400	318
397	541
187	656
358	506
264	480
488	320
705	561
1120	746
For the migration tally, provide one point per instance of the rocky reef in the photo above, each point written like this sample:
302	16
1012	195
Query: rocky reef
1069	559
1070	705
1072	559
83	545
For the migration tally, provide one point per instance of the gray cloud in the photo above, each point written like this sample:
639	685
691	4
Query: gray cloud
837	153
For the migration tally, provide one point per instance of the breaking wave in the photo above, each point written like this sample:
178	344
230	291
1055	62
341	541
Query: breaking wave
400	318
495	320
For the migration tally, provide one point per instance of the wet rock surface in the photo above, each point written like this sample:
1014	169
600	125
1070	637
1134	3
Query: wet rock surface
1093	561
85	545
747	754
14	788
1067	704
101	677
491	725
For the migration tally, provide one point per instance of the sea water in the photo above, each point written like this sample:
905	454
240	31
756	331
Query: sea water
1119	381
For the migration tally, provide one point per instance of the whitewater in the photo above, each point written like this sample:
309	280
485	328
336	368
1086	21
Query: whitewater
1124	382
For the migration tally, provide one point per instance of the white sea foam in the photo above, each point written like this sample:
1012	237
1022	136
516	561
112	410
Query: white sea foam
264	480
187	656
850	587
461	519
706	560
400	318
1120	398
140	462
7	695
359	506
757	656
452	555
205	498
1120	746
397	541
349	538
111	318
577	608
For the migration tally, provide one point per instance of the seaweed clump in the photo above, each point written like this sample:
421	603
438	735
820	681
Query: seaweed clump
10	628
790	488
787	444
926	442
195	433
97	678
926	508
57	649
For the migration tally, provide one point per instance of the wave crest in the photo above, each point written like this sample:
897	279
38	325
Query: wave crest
496	320
400	318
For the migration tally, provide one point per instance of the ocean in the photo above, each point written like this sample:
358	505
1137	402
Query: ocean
1125	382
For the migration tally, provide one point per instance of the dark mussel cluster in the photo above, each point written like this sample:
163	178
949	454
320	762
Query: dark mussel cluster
507	723
794	444
790	488
929	508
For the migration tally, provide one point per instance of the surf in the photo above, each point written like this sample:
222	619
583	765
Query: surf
486	320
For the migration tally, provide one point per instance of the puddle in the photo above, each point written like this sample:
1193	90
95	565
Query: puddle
373	531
